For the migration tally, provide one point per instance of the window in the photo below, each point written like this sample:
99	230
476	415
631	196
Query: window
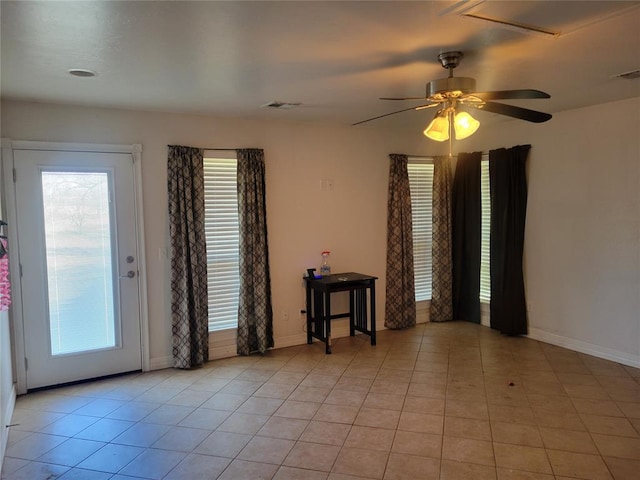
421	185
485	199
222	236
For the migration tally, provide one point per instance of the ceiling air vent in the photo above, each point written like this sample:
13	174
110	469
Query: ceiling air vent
628	75
282	105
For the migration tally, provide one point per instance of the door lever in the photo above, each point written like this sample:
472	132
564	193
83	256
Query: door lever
130	274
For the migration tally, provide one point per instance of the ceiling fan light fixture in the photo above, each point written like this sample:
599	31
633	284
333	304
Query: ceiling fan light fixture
438	129
464	125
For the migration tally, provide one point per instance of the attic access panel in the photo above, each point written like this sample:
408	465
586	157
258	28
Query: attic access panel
559	17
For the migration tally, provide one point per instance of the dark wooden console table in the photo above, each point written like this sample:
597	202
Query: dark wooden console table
319	315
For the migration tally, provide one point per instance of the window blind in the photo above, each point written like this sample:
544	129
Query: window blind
222	238
485	270
421	185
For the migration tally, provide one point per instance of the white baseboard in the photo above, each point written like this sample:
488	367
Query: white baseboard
8	414
229	349
485	315
290	340
158	363
570	343
226	348
225	351
585	347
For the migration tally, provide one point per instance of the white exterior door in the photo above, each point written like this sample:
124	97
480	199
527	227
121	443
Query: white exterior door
76	226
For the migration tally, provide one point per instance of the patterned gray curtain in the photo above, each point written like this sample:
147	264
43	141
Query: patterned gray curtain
400	304
189	301
255	315
442	267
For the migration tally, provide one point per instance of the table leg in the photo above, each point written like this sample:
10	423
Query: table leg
309	314
373	312
327	321
352	318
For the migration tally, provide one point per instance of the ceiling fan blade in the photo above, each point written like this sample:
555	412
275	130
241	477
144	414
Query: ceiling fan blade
404	98
516	112
510	94
419	107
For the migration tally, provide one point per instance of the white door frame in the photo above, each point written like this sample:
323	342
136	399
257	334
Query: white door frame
16	310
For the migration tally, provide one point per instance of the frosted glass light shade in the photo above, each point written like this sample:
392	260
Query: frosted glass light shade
464	125
438	129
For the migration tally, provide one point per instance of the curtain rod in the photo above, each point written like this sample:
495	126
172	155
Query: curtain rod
215	149
231	149
484	154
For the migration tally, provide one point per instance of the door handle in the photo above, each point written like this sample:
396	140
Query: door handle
130	274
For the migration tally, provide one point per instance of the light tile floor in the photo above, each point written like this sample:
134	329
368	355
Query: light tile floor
438	401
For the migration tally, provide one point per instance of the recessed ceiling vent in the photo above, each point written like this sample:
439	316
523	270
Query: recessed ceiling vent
633	74
282	105
81	72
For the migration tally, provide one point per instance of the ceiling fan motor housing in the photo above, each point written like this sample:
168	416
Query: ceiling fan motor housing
450	60
451	87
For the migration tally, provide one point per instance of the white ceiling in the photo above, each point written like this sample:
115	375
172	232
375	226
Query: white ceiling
335	57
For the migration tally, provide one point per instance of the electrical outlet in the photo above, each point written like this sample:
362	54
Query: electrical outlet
326	184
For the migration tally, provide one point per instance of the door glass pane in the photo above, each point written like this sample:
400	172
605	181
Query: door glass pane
79	261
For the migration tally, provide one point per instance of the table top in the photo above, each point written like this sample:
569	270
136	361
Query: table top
340	279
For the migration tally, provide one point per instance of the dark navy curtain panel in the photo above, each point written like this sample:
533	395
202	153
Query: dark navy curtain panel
466	237
508	185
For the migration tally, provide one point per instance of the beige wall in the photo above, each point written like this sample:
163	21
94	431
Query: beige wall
350	221
582	238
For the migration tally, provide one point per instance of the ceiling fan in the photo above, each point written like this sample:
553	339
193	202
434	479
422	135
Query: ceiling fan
452	94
